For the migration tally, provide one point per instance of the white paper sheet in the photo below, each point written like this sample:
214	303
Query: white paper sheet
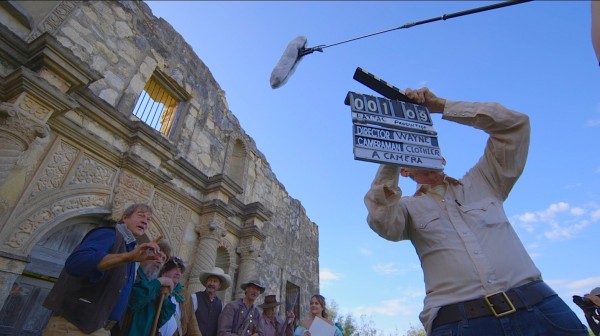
320	327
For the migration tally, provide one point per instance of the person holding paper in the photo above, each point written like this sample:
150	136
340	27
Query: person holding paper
314	326
478	275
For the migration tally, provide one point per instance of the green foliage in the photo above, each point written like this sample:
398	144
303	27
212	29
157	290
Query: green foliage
416	331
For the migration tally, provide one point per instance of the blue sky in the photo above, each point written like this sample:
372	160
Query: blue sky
535	57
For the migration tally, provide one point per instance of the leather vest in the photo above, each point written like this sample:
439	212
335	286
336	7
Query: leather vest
88	305
208	315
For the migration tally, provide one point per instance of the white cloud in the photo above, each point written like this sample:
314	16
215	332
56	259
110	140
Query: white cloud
557	231
528	217
559	221
327	277
574	287
393	307
577	211
386	269
551	212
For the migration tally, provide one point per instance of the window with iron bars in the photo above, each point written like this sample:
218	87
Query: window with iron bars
158	102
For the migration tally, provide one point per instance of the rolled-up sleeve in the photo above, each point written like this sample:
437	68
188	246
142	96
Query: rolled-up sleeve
507	147
83	262
385	215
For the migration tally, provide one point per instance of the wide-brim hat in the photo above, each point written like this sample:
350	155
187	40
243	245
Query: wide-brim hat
255	283
595	291
216	272
270	301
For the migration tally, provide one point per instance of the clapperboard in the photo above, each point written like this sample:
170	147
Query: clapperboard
391	130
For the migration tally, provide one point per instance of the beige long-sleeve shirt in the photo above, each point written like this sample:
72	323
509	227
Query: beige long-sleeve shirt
465	243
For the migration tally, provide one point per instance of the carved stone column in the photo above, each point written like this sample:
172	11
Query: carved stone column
249	250
20	149
206	250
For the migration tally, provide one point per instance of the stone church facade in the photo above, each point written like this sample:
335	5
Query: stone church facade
77	146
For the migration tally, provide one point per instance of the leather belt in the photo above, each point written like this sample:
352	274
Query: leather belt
496	304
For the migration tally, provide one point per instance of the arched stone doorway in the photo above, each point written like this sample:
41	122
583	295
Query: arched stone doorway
22	313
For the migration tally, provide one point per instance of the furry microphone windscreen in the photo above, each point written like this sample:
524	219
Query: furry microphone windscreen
288	62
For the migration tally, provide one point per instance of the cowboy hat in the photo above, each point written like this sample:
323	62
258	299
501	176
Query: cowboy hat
254	283
216	272
270	301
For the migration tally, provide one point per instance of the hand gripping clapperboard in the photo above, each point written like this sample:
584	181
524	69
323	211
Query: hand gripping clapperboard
391	130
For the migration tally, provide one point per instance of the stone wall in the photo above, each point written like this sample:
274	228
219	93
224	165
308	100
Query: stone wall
70	147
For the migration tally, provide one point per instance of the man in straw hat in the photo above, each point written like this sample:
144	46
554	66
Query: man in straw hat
270	323
207	304
241	317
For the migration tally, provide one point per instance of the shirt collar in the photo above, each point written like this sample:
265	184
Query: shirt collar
127	235
424	188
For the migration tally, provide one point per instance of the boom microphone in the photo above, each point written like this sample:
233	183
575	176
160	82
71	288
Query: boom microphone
288	63
296	48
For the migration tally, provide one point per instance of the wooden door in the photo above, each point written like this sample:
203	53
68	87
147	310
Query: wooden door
23	313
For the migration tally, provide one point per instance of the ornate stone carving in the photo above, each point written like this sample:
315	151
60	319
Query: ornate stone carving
36	110
14	121
181	220
48	214
129	190
56	169
173	217
134	183
7	110
155	230
94	172
249	248
214	229
121	200
183	215
11	150
54	20
163	209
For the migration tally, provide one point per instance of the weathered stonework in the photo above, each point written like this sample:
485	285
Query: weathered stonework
71	149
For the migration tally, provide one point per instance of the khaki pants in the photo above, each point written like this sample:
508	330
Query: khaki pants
58	326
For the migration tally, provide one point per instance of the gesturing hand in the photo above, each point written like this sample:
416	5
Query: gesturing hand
146	251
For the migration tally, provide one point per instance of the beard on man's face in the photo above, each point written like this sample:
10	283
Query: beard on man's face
150	271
